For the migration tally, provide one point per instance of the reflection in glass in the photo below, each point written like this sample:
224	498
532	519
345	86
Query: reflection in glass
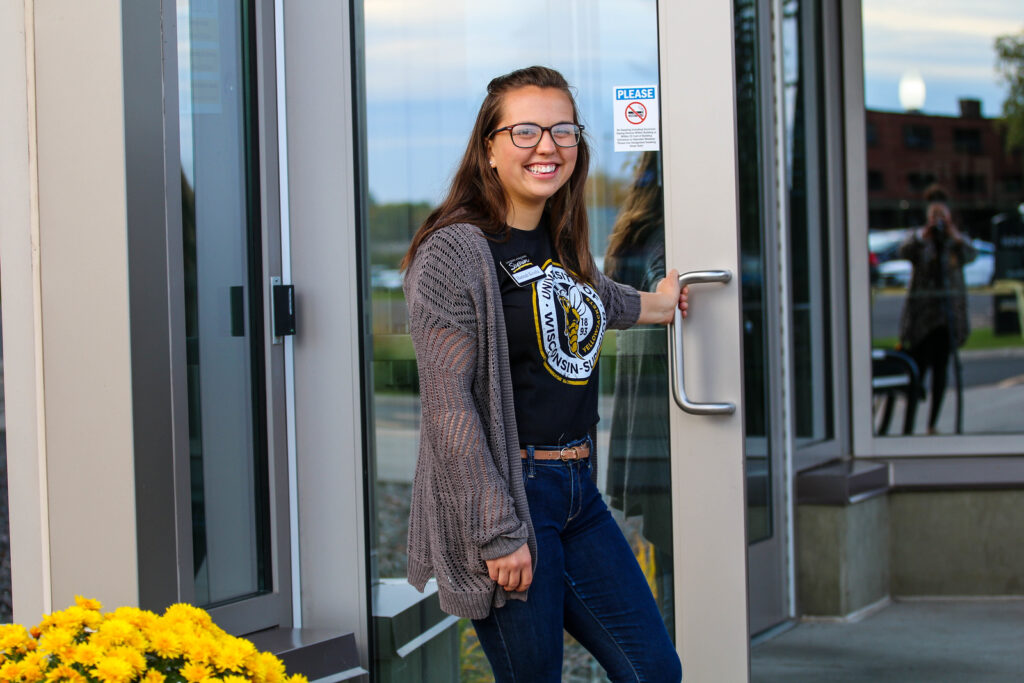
223	308
752	270
808	233
946	360
420	99
639	472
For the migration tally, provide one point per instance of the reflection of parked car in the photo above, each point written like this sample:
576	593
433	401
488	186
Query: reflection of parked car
882	246
385	278
977	273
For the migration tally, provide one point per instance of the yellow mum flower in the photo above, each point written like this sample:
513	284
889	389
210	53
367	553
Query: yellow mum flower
195	673
58	641
165	644
72	618
11	670
232	655
64	673
201	648
114	632
153	677
87	654
88	603
182	612
297	678
235	679
13	638
113	670
266	668
34	667
135	658
139	618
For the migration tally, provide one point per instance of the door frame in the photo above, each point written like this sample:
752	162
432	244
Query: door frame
708	473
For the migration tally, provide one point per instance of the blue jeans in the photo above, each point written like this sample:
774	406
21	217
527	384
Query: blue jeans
587	581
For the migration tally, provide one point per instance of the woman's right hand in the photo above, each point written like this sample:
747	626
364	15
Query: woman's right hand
513	572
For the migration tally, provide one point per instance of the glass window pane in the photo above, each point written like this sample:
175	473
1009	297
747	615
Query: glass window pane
421	100
943	188
223	302
751	170
808	227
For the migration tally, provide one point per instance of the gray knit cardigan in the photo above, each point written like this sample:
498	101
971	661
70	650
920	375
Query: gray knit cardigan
468	500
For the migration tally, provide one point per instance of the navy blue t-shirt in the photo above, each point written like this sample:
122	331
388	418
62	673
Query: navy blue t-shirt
555	327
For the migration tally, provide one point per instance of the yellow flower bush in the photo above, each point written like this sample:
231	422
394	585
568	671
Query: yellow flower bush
130	645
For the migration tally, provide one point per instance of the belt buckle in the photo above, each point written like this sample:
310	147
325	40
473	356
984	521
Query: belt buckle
564	458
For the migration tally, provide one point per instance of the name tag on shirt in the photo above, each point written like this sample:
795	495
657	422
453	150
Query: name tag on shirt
522	270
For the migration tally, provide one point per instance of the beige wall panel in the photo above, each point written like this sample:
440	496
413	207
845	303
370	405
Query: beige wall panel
85	301
18	277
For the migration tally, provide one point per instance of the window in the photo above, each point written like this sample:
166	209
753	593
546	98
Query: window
916	136
872	133
806	182
967	141
970	183
876	181
236	473
918	181
914	296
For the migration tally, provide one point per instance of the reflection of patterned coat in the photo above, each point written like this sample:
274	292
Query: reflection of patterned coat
639	479
925	307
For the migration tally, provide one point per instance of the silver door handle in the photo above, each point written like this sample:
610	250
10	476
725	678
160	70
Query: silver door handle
675	349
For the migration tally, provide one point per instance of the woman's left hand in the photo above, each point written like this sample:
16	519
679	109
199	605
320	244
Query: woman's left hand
659	307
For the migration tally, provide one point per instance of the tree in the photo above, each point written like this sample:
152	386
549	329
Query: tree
1010	65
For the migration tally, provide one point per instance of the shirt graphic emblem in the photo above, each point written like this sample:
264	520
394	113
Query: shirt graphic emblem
570	322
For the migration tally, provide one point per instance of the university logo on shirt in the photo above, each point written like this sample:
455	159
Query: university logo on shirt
570	322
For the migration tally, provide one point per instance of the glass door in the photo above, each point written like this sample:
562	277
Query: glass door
762	332
230	239
661	194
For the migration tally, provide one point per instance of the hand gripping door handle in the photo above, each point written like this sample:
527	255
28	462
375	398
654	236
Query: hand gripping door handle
675	349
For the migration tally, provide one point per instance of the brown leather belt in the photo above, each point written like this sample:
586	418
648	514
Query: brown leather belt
567	454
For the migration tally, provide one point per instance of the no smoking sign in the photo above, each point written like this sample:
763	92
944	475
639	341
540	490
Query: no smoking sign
635	111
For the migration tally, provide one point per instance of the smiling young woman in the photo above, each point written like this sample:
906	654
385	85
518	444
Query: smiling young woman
507	314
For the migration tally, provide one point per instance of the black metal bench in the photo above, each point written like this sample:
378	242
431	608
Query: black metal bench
892	373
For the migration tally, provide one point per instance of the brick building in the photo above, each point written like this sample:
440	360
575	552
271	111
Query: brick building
907	152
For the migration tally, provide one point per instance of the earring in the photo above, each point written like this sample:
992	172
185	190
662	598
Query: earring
492	163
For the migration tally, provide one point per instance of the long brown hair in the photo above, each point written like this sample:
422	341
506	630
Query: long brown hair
477	195
641	212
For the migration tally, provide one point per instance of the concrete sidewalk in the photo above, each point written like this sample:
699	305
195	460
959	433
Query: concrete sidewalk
969	641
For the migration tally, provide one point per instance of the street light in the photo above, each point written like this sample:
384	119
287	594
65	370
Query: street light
912	91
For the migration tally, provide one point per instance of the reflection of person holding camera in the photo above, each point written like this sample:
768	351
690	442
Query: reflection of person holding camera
934	321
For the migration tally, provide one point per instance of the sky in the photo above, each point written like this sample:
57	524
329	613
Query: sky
948	42
427	65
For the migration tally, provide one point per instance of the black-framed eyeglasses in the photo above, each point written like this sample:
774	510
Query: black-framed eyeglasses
528	135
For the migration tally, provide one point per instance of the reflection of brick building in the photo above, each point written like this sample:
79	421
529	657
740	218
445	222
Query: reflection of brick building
967	154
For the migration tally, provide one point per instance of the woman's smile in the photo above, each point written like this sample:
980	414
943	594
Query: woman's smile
542	169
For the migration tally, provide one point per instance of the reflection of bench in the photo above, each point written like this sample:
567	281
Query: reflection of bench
895	372
1014	288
